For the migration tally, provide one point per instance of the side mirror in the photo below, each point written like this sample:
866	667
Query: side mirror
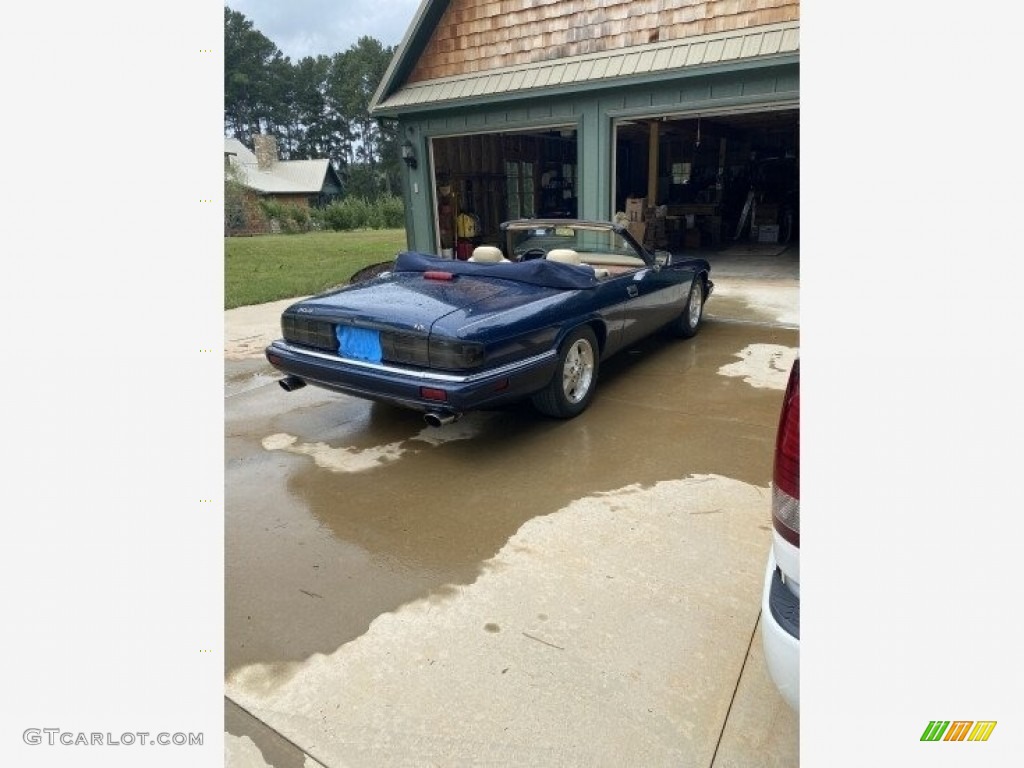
662	258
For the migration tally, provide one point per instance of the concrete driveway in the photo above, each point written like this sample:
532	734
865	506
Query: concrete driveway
512	590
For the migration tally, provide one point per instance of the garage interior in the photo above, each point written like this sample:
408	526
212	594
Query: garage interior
685	183
710	182
482	180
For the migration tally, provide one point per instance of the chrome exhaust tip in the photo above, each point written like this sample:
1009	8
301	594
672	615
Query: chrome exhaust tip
291	383
439	419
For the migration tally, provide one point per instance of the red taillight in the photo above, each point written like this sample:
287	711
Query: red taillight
429	393
786	485
436	274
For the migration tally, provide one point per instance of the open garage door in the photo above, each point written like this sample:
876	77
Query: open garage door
481	180
710	181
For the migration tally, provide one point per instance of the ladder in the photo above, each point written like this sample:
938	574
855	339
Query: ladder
749	210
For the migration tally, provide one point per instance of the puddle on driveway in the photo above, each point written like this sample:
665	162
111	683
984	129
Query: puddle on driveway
351	459
764	366
336	459
750	299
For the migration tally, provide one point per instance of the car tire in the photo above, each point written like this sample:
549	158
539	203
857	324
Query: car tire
572	386
688	323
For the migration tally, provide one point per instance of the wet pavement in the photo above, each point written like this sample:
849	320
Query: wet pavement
510	589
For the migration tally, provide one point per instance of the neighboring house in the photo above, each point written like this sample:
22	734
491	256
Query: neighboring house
303	183
569	108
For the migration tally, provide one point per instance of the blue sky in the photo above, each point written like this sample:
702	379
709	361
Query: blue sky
311	27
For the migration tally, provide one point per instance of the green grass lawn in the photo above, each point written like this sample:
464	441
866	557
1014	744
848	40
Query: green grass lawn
270	267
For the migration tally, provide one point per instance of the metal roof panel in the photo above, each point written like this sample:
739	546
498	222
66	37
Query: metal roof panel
732	48
698	54
679	55
629	63
772	43
615	66
751	46
662	58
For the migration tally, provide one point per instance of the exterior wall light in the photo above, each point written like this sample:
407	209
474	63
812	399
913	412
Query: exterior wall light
409	154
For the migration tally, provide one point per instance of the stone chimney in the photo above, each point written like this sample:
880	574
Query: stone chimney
265	147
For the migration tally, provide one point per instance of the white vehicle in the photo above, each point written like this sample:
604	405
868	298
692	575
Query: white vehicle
780	601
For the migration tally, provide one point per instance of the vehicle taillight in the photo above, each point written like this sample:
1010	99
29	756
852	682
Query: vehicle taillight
432	393
454	355
786	485
436	274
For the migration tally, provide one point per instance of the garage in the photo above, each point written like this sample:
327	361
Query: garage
684	120
697	183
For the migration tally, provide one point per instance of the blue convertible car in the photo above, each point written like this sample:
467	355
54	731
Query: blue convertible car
532	319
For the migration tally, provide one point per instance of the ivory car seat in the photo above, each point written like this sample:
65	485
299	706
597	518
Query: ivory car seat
563	255
487	254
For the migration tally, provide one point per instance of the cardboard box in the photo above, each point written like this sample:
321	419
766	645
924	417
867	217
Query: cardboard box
635	208
768	233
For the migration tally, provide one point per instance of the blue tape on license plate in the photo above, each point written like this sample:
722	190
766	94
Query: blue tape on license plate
359	344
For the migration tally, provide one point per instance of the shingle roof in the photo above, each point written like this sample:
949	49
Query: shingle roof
284	176
242	154
605	68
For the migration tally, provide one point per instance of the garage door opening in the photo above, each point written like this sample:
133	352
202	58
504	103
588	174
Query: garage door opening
709	182
484	179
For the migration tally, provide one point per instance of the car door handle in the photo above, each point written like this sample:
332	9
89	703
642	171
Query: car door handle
633	291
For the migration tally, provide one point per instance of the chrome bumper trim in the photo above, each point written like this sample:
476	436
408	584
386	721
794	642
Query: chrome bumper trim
447	378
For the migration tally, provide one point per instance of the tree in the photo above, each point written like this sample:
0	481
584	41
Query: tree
323	127
390	164
279	113
249	77
354	78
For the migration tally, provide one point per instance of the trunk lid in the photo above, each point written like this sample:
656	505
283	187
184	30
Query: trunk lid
402	302
410	302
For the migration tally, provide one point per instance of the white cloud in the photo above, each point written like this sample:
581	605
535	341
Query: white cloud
312	27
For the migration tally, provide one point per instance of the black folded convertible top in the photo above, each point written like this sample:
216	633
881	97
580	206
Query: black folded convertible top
549	274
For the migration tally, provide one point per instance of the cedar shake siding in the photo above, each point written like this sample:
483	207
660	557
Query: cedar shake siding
479	35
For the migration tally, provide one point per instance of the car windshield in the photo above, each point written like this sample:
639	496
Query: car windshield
583	240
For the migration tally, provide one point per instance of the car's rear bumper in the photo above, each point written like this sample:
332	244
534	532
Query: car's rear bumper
780	633
404	386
